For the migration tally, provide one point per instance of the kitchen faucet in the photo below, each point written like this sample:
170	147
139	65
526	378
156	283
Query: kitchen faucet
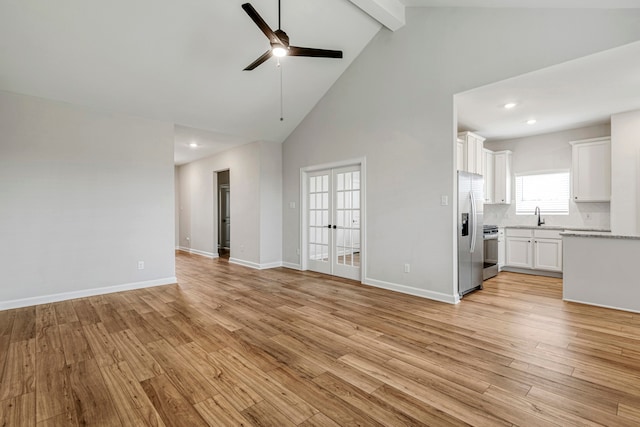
537	212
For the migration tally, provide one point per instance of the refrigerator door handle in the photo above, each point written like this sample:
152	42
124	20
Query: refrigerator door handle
472	220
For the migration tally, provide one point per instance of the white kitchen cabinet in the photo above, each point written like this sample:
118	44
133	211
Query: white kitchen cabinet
547	254
519	252
473	146
502	177
534	249
591	170
460	154
489	181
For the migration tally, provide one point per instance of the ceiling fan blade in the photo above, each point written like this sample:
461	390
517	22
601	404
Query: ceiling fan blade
253	14
315	53
259	61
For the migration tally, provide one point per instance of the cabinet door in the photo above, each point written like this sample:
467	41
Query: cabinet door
501	249
479	156
489	181
473	151
592	171
502	178
471	154
460	155
519	252
547	254
500	189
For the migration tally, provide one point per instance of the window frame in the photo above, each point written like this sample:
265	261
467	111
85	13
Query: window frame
546	206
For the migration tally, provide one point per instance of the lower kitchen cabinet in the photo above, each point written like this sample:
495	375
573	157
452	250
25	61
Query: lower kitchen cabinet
519	252
501	249
534	249
547	254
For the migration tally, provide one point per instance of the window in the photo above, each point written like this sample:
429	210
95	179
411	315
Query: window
548	190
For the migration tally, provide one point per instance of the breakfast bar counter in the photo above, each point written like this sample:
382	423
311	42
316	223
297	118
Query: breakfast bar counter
602	269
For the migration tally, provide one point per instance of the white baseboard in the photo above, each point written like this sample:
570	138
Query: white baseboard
255	265
631	310
437	296
46	299
197	252
556	274
268	265
292	266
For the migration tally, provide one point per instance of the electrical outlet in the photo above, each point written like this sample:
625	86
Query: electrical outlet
140	265
292	205
444	200
407	268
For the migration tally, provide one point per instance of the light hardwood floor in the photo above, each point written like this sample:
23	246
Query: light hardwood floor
234	346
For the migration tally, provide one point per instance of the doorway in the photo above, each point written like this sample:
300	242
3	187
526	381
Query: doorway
224	214
332	227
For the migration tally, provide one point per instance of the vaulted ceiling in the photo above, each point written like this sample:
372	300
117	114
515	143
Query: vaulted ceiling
183	62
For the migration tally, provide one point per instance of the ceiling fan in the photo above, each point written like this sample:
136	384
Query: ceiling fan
280	42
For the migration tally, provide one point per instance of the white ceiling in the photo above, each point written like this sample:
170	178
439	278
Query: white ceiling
597	4
182	62
574	94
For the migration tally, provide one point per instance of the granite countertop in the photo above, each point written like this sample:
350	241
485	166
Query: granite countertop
556	227
602	235
576	231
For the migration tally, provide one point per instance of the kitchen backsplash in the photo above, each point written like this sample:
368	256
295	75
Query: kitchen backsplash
581	215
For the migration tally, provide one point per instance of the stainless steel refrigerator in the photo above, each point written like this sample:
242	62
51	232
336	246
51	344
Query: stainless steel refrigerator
470	233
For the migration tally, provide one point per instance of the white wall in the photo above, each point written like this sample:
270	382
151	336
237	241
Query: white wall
550	151
394	106
84	196
270	204
253	218
625	173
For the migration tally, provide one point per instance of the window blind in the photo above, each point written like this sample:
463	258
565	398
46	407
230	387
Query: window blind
549	191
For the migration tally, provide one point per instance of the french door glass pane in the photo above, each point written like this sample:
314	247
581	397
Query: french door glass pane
319	218
347	242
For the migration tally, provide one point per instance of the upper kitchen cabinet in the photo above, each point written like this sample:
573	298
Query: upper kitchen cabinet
489	180
460	154
502	177
472	147
591	170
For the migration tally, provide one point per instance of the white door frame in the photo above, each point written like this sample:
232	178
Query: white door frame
224	189
304	239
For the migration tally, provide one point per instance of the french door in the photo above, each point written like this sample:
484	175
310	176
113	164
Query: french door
333	221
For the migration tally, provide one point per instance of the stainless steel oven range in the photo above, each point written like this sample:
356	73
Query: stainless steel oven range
490	238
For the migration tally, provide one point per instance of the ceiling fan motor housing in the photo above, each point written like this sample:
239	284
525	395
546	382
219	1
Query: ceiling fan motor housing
284	38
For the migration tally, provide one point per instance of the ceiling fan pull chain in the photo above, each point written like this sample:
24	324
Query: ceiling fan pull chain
281	97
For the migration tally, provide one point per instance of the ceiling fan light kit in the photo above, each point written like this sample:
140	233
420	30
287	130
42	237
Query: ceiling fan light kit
278	50
279	41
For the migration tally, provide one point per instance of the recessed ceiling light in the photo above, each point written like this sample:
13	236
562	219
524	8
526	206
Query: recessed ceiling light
510	105
531	121
193	145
